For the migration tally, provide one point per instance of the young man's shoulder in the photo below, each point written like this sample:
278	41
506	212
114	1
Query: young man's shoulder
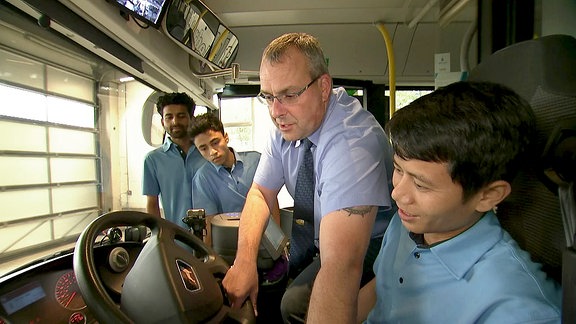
508	270
514	262
155	151
157	154
205	169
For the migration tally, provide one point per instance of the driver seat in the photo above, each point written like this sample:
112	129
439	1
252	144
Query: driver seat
540	213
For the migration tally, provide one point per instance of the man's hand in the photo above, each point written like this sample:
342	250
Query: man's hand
241	282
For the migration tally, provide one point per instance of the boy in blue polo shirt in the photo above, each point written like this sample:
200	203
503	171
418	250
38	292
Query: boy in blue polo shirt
444	257
221	185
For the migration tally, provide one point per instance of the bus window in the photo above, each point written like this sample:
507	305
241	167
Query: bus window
49	158
247	122
404	97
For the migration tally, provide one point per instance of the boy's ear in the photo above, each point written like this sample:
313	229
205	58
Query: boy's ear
492	195
226	138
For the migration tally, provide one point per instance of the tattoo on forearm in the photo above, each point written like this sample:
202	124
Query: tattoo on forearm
362	211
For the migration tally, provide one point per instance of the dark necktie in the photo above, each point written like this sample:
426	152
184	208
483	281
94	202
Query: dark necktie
302	248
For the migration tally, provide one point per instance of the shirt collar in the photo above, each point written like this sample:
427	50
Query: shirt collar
236	156
461	252
315	137
168	142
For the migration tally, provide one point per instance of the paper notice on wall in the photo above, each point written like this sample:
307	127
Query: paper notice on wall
441	62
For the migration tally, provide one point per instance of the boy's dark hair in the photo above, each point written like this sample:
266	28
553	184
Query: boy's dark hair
483	131
175	98
204	123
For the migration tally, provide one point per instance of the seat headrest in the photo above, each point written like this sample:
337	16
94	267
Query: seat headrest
559	156
546	62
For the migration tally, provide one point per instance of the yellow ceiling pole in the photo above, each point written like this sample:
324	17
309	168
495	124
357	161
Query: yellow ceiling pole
391	66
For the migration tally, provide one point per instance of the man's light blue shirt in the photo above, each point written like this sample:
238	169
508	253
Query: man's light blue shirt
352	161
167	174
479	276
219	191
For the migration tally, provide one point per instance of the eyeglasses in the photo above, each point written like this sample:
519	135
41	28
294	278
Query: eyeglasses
285	99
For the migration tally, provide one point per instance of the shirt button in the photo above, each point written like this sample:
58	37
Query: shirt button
401	280
417	255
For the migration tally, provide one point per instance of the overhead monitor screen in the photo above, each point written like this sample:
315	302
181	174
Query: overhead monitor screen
148	11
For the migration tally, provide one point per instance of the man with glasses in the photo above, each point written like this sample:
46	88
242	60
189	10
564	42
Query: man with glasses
352	166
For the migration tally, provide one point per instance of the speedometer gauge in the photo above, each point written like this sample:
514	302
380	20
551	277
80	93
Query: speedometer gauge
67	292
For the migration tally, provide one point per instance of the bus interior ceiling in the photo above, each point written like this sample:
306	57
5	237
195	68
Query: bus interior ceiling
350	33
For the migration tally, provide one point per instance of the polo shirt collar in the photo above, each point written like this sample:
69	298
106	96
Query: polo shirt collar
166	144
236	156
460	253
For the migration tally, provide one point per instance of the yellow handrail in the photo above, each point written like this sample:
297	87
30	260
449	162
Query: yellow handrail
391	66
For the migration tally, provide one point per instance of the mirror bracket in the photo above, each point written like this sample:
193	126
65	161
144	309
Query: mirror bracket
233	71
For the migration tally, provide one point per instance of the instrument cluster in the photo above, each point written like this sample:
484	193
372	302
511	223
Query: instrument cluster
48	292
47	297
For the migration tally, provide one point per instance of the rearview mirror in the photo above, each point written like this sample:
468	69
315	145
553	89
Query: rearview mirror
196	29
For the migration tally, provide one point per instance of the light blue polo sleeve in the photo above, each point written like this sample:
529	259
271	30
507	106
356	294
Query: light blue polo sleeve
204	195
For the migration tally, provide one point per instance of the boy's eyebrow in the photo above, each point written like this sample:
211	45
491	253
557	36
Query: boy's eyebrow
420	178
415	175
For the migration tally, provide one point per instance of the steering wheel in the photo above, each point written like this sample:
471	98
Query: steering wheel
174	280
